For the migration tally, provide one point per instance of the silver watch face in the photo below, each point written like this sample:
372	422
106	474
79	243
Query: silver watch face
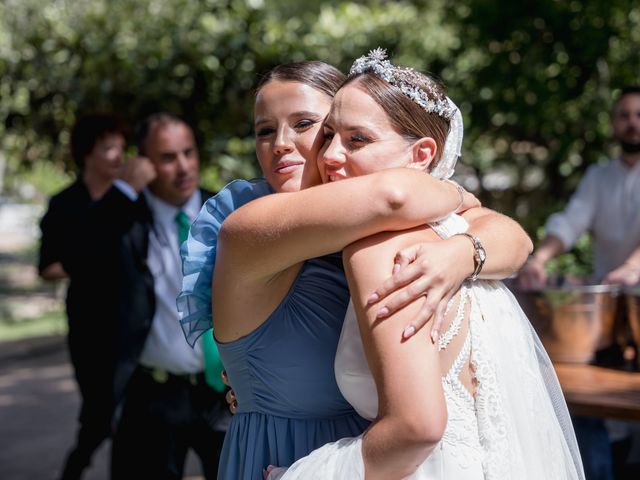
482	254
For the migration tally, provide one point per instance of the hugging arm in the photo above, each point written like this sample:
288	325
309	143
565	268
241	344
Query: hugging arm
437	269
505	241
412	412
292	227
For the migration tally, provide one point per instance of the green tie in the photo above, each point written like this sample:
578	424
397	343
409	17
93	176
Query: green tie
183	222
212	364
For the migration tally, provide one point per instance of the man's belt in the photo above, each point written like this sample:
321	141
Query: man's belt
160	375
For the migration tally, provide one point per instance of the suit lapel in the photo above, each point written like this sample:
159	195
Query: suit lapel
138	237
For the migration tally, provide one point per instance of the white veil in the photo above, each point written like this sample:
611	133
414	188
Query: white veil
452	147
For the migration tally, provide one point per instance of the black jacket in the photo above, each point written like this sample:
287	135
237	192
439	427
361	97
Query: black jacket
115	249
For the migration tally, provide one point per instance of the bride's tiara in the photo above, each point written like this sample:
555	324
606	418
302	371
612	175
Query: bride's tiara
406	79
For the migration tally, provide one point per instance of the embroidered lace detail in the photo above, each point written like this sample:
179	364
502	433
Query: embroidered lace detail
452	379
492	426
454	328
452	376
460	360
460	438
449	305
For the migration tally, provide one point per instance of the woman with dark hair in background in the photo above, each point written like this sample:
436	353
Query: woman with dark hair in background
97	144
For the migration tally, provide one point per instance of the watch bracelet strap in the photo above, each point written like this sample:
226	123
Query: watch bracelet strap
478	259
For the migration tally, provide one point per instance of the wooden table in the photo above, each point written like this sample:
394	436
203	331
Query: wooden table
600	392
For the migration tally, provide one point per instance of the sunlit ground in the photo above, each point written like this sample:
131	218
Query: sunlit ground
38	395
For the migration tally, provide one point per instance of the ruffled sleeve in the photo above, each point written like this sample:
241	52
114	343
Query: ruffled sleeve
198	254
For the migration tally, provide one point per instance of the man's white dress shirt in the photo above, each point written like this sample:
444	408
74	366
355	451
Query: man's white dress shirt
606	203
166	346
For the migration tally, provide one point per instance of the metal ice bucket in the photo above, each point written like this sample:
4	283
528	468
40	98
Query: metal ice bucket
572	322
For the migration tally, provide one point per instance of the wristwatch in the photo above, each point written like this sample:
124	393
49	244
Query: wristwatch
479	255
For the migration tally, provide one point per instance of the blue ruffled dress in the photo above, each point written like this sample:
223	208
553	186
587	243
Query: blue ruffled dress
282	373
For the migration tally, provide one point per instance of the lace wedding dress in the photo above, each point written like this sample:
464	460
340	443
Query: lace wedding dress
516	426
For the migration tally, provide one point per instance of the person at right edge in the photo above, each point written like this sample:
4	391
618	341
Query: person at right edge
605	204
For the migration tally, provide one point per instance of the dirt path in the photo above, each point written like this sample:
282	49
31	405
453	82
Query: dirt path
38	406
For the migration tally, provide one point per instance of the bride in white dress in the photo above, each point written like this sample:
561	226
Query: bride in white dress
483	400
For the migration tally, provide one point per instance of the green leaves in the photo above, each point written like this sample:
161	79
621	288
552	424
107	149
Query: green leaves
535	80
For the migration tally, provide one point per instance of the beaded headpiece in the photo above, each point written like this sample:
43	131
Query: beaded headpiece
406	79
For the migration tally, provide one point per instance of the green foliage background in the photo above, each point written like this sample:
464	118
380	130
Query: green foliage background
535	79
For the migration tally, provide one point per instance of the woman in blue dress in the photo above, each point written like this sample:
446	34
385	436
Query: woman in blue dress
277	314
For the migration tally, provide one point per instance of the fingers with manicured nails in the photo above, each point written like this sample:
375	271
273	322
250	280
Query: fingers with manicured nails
422	283
439	318
407	255
409	331
400	275
424	314
421	319
404	297
434	308
397	281
390	285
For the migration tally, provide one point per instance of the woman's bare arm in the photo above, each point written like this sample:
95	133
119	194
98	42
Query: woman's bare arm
266	236
412	410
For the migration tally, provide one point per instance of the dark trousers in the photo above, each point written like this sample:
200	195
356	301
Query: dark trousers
94	375
602	459
595	448
160	421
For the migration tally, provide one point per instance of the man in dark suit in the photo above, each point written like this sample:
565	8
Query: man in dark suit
97	144
133	241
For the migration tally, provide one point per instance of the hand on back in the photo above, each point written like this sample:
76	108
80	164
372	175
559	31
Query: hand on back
434	270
